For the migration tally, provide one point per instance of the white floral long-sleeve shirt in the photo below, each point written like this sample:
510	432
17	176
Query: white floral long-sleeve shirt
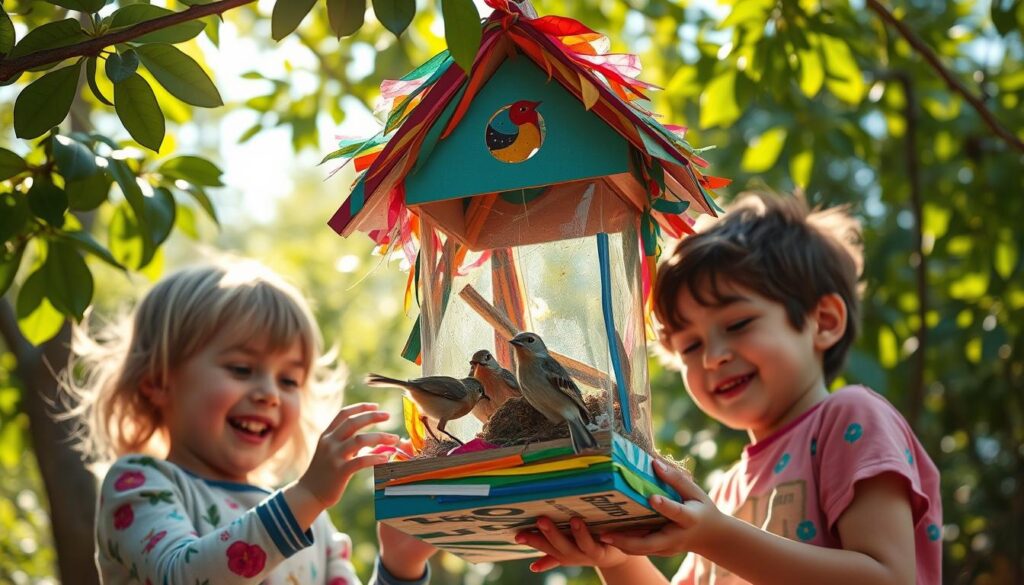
158	524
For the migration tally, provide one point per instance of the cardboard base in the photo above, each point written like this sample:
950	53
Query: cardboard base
483	529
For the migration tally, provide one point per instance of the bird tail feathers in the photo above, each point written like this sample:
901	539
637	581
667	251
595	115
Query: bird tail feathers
582	438
378	380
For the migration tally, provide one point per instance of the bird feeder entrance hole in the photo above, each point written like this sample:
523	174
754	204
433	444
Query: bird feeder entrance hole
515	132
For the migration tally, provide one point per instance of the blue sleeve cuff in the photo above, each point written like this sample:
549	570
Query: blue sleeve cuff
381	576
281	525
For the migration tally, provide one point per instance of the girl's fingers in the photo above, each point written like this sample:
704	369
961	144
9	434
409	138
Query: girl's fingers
584	541
354	445
545	563
563	546
355	422
355	464
537	541
347	412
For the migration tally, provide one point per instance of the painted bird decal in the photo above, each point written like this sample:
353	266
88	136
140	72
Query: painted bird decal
514	134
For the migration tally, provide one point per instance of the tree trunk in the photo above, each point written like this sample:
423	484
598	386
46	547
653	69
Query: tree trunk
70	488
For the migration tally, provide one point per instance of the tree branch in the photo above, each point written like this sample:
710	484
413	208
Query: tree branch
929	55
13	67
915	399
10	333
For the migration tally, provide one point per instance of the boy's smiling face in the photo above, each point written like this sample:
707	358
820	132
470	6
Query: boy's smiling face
744	362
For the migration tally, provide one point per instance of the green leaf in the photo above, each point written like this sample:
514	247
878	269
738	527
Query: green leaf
199	194
129	185
346	16
121	66
127	244
38	320
7	35
49	36
136	13
192	169
812	73
287	15
1002	12
1006	256
718	101
74	160
10	164
180	75
48	202
14	214
45	102
80	5
160	212
213	30
90	77
9	264
69	283
87	243
844	77
763	151
395	15
462	31
185	221
178	33
136	106
88	193
800	166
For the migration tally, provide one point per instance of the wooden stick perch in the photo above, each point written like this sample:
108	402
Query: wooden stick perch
584	373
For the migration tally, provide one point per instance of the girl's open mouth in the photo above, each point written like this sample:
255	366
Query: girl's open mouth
249	428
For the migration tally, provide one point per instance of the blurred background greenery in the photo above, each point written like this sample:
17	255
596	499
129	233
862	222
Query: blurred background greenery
821	96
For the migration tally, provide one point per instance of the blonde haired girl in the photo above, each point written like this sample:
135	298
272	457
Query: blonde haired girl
207	388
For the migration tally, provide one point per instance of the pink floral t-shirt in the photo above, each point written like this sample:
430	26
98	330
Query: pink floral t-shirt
798	482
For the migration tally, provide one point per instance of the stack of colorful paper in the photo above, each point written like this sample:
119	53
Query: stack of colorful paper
473	505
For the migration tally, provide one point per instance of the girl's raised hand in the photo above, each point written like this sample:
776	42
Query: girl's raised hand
560	550
337	457
691	523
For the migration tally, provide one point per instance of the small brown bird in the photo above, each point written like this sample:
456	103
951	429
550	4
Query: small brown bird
442	398
549	388
499	383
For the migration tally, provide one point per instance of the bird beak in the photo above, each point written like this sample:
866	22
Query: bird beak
516	342
474	363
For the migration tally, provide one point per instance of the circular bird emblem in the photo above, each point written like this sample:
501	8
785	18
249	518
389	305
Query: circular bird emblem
515	132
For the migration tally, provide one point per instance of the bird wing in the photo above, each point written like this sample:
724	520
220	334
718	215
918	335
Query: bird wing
497	139
441	386
508	378
561	379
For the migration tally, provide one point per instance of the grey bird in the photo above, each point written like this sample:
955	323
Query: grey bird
549	389
442	398
499	383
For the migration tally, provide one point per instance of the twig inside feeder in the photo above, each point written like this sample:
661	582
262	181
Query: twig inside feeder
582	372
508	296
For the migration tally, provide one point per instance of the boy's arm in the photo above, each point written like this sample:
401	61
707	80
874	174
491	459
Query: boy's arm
877	535
876	531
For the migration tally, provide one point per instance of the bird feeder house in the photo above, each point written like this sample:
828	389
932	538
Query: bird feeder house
527	195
